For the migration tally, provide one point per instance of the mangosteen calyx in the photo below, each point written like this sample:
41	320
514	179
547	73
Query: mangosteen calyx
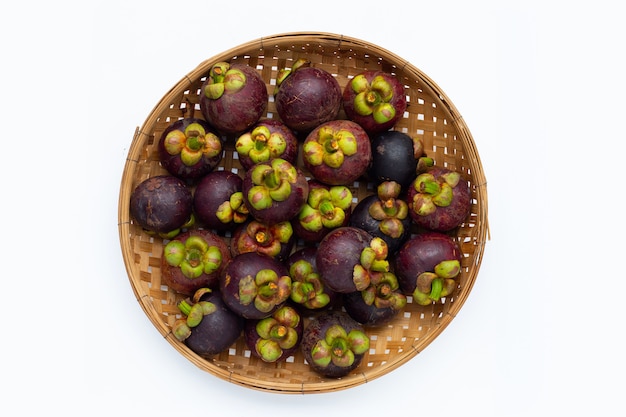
433	192
432	286
264	238
373	98
266	290
307	288
192	143
373	260
330	147
271	183
223	78
194	256
389	210
325	208
277	333
260	144
233	210
382	287
339	347
193	310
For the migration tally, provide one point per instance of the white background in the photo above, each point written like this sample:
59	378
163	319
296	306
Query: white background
540	86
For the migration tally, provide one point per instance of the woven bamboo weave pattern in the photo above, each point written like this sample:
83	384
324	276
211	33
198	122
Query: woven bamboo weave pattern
429	114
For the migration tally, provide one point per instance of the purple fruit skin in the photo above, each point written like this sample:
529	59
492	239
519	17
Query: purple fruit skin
316	329
353	167
393	158
368	315
337	254
174	278
236	112
275	126
367	122
217	331
280	211
307	98
447	218
214	189
161	204
420	254
175	166
239	267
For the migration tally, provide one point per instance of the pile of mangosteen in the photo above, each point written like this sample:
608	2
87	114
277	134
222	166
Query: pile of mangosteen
290	261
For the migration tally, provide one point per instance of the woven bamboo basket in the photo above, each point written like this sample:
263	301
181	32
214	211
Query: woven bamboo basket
430	114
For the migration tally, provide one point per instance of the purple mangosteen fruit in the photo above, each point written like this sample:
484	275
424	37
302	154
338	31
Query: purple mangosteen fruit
327	208
346	258
334	344
307	287
233	97
384	215
306	96
337	152
266	140
382	299
427	265
208	327
274	191
275	240
162	205
193	260
375	100
254	285
397	157
189	149
439	199
218	201
275	338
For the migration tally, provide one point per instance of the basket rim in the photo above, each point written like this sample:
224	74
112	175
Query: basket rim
337	41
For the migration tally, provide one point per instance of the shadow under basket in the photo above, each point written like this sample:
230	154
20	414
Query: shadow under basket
429	115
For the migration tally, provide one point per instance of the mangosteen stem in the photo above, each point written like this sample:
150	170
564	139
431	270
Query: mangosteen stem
331	145
184	307
437	287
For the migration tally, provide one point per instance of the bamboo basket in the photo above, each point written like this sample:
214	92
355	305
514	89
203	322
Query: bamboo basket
430	114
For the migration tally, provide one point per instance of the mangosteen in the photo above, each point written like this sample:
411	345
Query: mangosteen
209	326
275	240
374	99
233	97
193	260
427	265
346	258
379	303
274	191
439	199
275	338
384	215
218	201
306	96
333	344
327	208
266	140
162	204
337	152
307	287
255	285
189	149
397	157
